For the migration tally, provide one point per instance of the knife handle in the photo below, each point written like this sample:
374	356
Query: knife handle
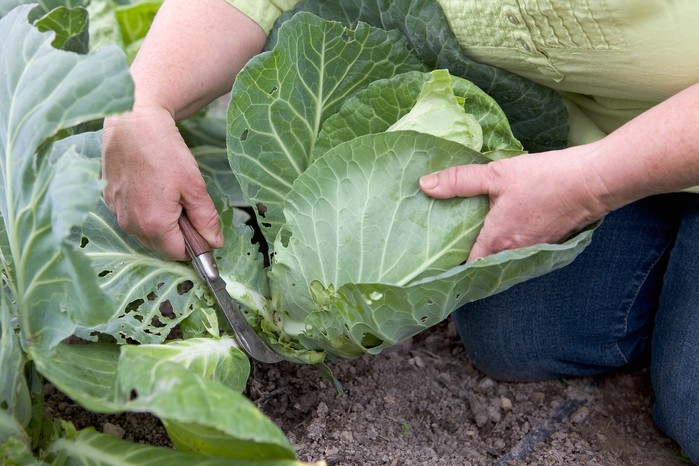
196	241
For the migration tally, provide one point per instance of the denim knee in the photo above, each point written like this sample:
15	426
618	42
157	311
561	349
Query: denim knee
498	356
521	348
676	412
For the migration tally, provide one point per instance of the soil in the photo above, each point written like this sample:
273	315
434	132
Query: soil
423	403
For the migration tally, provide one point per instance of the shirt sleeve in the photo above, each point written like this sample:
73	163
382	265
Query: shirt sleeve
263	12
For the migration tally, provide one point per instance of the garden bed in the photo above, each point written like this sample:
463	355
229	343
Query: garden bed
423	403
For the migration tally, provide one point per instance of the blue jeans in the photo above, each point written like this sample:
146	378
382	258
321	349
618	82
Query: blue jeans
633	294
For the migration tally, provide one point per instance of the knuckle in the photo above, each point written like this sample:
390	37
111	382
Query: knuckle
211	219
149	226
197	189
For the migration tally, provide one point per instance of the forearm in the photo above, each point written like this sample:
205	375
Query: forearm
192	53
657	152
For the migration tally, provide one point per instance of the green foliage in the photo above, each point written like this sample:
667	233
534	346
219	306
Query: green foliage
536	113
67	271
362	259
329	131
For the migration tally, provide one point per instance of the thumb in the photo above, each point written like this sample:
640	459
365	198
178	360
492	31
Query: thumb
204	217
458	181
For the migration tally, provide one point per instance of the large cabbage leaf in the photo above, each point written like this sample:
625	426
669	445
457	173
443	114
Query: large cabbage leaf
89	447
283	97
366	259
191	386
42	198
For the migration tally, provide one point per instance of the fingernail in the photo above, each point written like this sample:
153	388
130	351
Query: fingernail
429	181
219	239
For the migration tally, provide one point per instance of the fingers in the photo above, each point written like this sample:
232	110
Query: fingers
202	214
166	241
458	181
534	198
479	250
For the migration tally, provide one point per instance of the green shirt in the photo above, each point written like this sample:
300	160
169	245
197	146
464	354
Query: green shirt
610	59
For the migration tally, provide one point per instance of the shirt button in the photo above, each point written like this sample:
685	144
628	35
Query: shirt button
524	46
513	19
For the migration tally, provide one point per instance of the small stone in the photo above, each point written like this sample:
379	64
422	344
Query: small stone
580	415
486	383
505	403
113	430
347	436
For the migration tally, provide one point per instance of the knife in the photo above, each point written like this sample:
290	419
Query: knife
205	265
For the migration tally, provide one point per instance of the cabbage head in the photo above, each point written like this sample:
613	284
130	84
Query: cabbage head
328	135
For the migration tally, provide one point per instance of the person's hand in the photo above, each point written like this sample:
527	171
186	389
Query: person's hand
534	198
150	177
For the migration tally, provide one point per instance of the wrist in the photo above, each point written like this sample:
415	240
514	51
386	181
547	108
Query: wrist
612	177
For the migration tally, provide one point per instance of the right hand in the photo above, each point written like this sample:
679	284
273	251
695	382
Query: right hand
150	177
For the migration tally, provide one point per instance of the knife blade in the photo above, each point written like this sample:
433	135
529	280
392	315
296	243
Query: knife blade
206	267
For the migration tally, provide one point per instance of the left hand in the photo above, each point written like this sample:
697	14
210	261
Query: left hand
534	198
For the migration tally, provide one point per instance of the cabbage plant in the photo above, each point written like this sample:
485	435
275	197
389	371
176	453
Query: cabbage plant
327	133
361	259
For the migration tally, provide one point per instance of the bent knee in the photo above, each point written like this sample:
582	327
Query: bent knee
676	411
507	351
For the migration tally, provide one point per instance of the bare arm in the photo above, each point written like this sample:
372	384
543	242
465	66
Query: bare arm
190	57
545	197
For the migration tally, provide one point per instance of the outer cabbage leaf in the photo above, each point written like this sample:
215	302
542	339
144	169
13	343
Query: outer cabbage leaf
282	97
200	413
357	215
216	359
152	295
70	26
536	113
15	444
367	260
135	19
14	390
357	318
149	295
382	103
89	447
42	198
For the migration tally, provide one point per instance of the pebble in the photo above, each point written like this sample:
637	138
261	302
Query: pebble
113	430
419	362
505	403
580	415
486	383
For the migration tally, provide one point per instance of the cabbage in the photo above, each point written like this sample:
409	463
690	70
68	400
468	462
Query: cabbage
329	133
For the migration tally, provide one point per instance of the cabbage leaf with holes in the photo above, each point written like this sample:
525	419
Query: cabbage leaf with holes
68	272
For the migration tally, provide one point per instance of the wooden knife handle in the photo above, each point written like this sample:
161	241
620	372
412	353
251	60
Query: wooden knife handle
197	242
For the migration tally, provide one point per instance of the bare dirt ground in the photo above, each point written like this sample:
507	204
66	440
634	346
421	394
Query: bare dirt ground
423	403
